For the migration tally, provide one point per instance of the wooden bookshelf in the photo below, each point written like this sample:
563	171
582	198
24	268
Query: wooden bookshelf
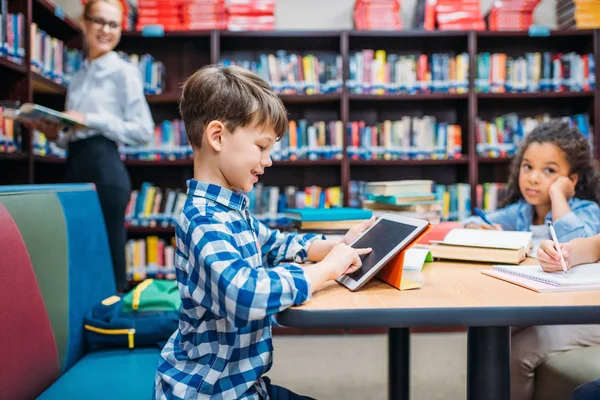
11	66
409	97
411	163
49	160
16	156
41	84
534	95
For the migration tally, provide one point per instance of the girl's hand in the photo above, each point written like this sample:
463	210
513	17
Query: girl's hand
573	253
357	230
562	186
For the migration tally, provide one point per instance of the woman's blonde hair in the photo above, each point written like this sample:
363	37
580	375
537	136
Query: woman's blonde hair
90	3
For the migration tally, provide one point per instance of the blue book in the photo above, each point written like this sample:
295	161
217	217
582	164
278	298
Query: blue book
327	214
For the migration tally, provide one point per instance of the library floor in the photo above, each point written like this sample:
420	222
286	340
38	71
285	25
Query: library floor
355	366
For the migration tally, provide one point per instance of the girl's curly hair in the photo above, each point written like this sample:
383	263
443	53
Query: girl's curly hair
578	153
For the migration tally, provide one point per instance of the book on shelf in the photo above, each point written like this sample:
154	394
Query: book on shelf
170	142
292	73
319	140
51	58
151	206
511	15
535	72
489	196
46	148
10	134
150	257
377	15
152	71
502	136
483	246
377	72
251	15
412	138
533	277
12	34
578	14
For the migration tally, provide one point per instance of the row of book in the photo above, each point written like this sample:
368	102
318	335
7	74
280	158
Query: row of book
404	139
535	72
170	143
291	73
317	141
46	148
376	72
12	34
456	15
489	196
511	15
51	58
153	72
502	136
152	206
233	15
150	257
10	137
377	15
578	14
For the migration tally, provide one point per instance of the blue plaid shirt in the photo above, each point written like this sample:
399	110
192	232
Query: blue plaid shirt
230	284
582	221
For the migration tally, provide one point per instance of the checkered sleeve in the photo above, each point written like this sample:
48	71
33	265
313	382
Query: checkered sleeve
222	281
277	246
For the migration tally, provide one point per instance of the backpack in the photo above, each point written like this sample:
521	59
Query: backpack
146	316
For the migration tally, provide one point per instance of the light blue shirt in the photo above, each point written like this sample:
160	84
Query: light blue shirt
582	221
109	91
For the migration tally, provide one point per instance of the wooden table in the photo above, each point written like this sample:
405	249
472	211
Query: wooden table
452	294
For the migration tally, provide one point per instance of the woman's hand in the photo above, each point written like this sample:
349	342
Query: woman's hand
357	230
48	128
75	115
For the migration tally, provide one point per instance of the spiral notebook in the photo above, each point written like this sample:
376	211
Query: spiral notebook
581	277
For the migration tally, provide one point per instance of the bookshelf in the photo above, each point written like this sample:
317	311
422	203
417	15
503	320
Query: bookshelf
184	52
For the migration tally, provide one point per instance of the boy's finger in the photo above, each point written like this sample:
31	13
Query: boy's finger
361	252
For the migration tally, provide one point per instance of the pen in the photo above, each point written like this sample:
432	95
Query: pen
482	215
554	238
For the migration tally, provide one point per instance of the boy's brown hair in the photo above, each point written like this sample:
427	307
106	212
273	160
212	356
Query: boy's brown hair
232	95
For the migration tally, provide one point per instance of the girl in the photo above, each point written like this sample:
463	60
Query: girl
107	93
552	178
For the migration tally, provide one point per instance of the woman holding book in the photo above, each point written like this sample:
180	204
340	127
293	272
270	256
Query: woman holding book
107	95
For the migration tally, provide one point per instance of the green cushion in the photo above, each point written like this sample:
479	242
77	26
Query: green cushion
111	374
563	372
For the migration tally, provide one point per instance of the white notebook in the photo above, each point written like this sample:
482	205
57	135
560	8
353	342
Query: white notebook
490	239
587	275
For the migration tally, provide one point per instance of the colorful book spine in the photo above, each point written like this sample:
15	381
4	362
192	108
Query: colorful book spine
12	34
150	257
46	148
489	196
152	206
404	139
292	73
10	135
376	72
310	141
152	71
51	58
170	143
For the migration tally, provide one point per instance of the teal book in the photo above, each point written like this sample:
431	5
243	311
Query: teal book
327	214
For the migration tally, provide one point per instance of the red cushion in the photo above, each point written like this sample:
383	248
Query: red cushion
29	362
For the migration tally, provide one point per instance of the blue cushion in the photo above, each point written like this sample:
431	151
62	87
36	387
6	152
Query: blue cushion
111	374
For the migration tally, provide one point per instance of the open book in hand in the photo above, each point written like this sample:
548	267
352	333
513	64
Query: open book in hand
479	245
581	277
30	112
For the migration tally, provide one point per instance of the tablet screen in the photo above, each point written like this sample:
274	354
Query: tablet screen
382	238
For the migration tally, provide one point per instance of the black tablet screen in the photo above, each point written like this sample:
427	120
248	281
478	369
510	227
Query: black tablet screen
382	238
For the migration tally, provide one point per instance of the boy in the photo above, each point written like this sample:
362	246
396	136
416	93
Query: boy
228	270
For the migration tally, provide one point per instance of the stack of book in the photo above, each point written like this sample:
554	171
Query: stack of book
12	34
409	138
327	220
205	15
51	58
267	203
317	141
166	13
489	196
411	198
170	143
459	15
578	14
251	15
511	15
502	136
292	73
151	206
376	72
377	15
533	72
10	135
152	71
150	258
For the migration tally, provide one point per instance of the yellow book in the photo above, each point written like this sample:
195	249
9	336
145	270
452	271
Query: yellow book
152	250
149	201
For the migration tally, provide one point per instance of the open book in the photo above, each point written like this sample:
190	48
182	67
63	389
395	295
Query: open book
30	112
581	277
506	247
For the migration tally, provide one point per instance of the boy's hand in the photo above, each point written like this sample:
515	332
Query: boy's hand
562	186
343	259
356	230
484	226
573	253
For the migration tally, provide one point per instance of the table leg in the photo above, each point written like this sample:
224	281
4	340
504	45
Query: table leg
488	363
399	364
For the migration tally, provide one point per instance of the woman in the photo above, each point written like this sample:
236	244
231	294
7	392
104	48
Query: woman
108	94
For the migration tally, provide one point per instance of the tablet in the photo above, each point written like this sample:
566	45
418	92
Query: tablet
387	237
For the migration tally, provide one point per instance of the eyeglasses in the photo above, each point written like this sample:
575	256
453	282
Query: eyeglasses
101	23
